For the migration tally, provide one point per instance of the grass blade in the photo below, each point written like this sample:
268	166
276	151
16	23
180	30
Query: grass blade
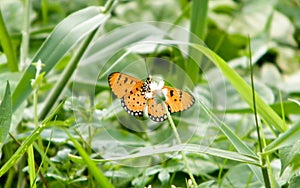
64	78
244	89
69	32
197	35
21	150
290	137
199	17
289	108
236	142
5	115
98	175
7	46
186	148
29	140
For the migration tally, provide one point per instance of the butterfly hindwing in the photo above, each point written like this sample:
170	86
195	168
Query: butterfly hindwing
178	100
156	111
134	102
122	84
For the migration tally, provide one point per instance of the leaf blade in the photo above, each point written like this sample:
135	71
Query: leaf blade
5	115
66	34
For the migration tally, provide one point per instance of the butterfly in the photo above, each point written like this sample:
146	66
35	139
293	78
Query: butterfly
136	94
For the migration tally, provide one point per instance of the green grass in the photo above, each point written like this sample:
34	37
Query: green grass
75	134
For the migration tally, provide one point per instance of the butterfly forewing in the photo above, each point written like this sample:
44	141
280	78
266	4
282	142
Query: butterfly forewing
128	89
178	100
122	84
156	111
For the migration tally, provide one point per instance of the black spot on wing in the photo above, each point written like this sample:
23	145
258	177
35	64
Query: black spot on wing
172	93
125	80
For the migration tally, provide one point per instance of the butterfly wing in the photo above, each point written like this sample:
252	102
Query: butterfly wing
178	100
128	89
134	102
122	84
156	111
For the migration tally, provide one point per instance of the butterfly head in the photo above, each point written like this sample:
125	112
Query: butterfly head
146	86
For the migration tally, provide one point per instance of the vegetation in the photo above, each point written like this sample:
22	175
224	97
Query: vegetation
62	127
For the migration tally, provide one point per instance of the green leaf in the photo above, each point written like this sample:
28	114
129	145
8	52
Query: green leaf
289	108
5	115
240	176
295	181
231	136
164	177
290	137
152	170
201	165
240	147
64	37
108	46
287	156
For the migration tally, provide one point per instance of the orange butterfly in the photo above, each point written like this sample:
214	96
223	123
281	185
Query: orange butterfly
134	94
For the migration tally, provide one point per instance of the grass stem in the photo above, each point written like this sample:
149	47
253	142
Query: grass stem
25	33
179	142
260	144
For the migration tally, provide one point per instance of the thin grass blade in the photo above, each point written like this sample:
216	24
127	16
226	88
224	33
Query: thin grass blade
5	115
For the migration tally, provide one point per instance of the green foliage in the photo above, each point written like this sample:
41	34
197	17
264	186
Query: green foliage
76	134
6	115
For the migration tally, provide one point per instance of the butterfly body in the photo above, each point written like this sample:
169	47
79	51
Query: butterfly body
136	94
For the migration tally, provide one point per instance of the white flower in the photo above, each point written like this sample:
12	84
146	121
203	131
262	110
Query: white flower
157	91
38	68
154	86
38	65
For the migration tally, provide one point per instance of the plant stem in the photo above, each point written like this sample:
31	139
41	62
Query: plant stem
25	33
31	166
185	161
45	11
263	159
30	153
109	6
8	150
